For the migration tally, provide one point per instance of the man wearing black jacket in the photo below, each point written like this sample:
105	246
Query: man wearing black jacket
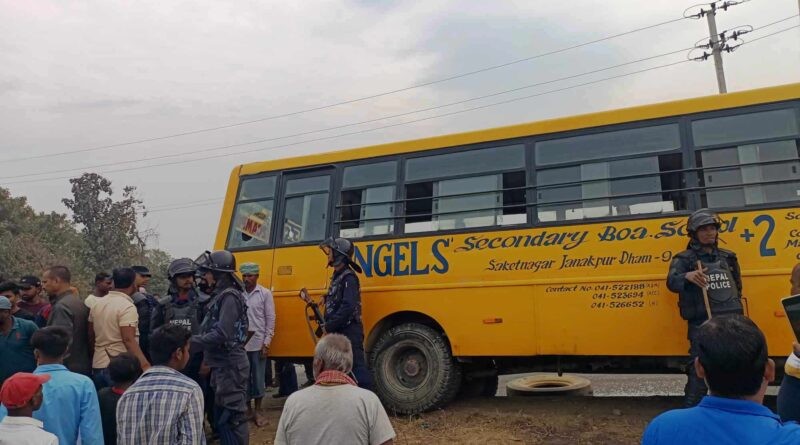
223	334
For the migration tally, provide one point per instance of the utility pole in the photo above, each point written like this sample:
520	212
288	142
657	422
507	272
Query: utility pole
718	42
716	47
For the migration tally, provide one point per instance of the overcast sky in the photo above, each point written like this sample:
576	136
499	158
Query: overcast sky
83	74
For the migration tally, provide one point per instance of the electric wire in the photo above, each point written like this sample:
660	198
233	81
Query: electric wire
167	207
339	127
406	122
494	104
348	101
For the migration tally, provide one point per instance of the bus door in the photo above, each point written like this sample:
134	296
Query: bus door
305	213
251	225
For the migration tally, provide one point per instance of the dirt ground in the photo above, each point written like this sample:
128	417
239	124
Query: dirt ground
527	420
618	412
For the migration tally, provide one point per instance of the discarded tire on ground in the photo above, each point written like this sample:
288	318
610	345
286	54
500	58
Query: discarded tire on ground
549	385
414	369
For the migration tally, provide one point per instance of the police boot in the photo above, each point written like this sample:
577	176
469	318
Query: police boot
694	391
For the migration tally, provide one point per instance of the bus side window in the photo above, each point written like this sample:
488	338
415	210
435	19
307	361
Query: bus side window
366	207
577	180
306	209
751	158
466	189
252	216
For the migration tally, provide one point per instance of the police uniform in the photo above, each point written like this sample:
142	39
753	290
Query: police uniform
187	313
343	316
223	334
724	297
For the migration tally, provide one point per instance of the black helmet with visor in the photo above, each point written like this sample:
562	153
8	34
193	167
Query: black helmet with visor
216	261
700	218
340	251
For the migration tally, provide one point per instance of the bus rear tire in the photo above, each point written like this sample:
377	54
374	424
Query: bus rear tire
414	369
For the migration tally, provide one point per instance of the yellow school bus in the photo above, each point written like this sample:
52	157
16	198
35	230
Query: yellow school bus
541	246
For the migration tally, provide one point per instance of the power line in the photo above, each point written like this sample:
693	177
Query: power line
167	207
339	127
399	123
181	207
370	129
349	101
354	124
770	35
733	34
160	206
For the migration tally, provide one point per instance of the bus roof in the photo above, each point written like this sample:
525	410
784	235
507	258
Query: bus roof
598	119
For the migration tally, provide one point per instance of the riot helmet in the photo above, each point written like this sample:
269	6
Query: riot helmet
342	251
181	266
216	261
222	265
700	218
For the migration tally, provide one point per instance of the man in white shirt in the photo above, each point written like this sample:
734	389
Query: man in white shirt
21	395
114	327
334	409
261	320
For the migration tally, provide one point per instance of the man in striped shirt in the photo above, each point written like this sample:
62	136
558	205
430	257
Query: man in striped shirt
163	406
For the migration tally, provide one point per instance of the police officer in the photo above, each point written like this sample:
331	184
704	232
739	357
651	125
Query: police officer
343	303
222	337
183	306
720	276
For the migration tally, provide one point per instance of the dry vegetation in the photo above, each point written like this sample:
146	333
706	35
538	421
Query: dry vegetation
503	420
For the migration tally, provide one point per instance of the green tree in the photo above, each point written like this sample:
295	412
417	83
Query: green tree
30	241
110	234
108	237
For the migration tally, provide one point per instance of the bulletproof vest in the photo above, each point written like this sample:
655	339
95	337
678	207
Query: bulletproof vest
185	315
241	325
333	299
723	296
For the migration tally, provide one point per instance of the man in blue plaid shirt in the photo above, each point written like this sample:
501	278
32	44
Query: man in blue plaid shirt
163	406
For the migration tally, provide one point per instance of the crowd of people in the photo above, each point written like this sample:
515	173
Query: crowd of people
126	367
123	366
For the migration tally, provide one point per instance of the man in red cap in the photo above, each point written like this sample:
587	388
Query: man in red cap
21	395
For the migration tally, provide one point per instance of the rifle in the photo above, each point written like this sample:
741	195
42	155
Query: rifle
315	315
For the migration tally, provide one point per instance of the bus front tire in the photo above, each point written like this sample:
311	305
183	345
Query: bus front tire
414	369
